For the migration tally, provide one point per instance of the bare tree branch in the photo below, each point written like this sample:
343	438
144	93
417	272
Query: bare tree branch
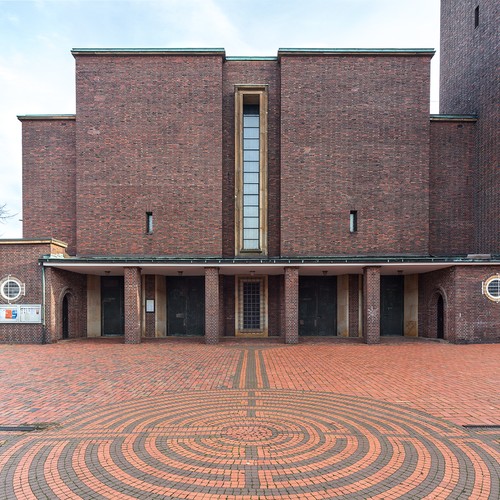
4	213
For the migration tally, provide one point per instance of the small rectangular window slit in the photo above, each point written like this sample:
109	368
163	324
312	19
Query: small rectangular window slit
353	221
149	222
476	17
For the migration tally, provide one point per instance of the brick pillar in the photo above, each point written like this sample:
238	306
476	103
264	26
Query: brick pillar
371	305
291	312
212	307
132	279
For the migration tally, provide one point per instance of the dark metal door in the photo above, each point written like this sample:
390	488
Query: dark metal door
318	305
65	318
186	305
112	312
440	317
391	305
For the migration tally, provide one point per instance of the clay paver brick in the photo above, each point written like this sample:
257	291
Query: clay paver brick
246	420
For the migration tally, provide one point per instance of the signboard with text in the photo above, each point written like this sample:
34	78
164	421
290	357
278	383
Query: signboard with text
9	314
22	313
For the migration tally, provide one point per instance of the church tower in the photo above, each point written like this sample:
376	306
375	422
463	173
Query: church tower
470	50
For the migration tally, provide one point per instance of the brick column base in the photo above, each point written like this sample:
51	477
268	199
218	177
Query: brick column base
291	312
371	305
132	280
212	305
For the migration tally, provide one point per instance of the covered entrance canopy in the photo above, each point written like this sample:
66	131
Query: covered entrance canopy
307	266
287	297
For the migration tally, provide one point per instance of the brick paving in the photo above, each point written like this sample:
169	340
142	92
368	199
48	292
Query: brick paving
246	420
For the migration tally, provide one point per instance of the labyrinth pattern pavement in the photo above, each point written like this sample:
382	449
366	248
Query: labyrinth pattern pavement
252	442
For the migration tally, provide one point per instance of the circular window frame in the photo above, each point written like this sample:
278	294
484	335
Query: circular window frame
3	285
486	286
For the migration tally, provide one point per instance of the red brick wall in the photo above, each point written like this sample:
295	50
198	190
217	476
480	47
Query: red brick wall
469	85
451	189
458	38
20	260
469	315
212	305
132	304
49	173
257	73
430	286
354	136
58	284
149	138
371	305
477	318
291	305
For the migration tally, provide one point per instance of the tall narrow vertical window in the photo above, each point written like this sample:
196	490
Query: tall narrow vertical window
149	222
353	221
251	305
476	17
251	169
251	174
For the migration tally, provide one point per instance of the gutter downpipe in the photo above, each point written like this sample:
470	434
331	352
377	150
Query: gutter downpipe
44	327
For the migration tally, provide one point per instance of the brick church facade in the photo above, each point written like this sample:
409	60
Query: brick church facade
308	194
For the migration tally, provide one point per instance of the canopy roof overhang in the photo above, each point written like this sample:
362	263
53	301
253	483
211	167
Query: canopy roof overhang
389	265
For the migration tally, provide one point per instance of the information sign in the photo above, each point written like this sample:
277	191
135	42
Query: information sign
20	313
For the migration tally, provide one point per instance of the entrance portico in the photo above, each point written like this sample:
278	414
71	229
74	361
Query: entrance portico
283	298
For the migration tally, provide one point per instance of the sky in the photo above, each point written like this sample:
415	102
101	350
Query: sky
36	37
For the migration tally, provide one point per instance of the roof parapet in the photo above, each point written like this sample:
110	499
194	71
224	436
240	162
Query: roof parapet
355	52
251	58
148	52
33	241
281	52
23	118
453	118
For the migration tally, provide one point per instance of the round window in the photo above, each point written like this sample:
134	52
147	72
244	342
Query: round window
11	289
492	288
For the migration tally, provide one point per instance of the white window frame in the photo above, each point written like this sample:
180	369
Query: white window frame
486	285
4	283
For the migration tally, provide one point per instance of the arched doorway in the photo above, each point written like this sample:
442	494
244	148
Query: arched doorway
440	317
65	317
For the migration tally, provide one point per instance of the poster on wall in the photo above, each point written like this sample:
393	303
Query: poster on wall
9	314
30	313
25	313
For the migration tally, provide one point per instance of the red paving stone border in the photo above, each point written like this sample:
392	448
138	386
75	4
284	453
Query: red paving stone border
179	419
